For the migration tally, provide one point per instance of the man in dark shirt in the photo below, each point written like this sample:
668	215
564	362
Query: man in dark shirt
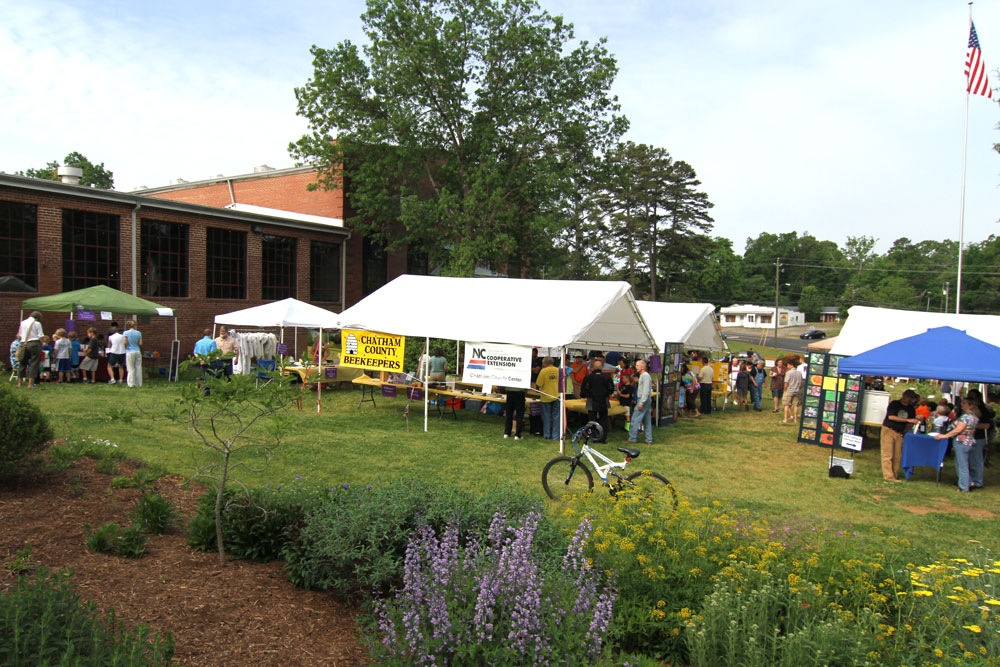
899	416
597	388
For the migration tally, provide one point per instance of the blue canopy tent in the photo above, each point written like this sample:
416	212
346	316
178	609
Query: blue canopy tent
942	353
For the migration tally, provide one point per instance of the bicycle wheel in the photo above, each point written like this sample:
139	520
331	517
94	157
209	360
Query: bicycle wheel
561	478
652	485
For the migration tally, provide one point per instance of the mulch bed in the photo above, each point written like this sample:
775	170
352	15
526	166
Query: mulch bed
243	613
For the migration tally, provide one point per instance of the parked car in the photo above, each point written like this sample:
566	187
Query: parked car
813	334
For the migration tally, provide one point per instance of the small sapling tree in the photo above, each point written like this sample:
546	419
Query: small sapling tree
239	420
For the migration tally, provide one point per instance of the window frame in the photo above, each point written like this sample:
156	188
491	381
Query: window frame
22	247
278	275
336	250
98	253
182	237
215	271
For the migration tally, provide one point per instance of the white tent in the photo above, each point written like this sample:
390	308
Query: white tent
867	328
281	314
545	313
285	313
692	324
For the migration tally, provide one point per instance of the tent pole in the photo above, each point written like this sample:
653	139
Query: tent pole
562	399
425	362
319	375
296	342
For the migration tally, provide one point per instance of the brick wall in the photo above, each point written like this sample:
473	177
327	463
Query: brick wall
195	312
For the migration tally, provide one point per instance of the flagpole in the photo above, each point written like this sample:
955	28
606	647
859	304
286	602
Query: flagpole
961	215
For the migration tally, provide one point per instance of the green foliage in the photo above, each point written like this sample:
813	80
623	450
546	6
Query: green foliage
22	561
24	434
477	113
237	422
131	542
154	514
44	622
91	447
142	478
94	175
255	522
756	617
109	538
102	540
106	466
811	303
356	540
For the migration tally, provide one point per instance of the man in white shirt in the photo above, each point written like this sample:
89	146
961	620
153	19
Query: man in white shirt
30	335
116	355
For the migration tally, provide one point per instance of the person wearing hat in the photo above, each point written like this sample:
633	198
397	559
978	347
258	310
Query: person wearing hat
578	370
899	416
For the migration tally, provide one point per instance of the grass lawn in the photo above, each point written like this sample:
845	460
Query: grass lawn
749	459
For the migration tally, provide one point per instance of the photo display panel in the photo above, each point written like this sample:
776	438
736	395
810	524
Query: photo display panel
831	407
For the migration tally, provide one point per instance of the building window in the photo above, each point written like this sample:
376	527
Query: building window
164	259
324	271
417	263
90	249
730	318
18	247
374	266
765	319
277	267
226	264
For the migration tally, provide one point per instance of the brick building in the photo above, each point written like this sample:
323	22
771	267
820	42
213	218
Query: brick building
368	264
199	258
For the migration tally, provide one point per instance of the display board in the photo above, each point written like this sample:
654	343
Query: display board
673	354
874	406
371	350
497	364
831	407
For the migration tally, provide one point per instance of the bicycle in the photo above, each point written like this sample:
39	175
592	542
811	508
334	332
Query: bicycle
569	475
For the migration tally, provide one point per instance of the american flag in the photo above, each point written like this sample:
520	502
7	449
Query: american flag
975	70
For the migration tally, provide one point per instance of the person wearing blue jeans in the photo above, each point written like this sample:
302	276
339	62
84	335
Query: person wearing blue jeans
757	376
965	445
643	413
547	384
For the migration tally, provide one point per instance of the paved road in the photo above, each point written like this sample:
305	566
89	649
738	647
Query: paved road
791	344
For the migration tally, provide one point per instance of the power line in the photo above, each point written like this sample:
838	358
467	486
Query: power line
943	269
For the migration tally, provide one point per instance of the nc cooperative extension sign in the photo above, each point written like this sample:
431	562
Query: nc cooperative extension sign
497	364
371	350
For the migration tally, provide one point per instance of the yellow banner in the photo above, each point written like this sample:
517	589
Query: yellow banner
371	350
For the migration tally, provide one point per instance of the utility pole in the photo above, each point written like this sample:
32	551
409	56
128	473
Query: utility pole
777	269
947	285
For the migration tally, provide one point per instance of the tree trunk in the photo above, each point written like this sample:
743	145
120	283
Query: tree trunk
220	494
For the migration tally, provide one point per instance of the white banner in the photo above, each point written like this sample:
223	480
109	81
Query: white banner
497	364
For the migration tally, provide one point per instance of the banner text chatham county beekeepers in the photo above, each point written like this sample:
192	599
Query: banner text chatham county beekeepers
372	350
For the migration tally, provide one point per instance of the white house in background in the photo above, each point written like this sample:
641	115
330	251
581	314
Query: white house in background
759	317
830	314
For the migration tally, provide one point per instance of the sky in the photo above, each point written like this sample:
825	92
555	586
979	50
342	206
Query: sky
832	118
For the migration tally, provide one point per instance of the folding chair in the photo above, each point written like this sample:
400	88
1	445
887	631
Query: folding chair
265	371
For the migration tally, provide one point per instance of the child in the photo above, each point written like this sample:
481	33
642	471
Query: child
742	387
923	411
90	360
63	350
74	355
48	352
626	397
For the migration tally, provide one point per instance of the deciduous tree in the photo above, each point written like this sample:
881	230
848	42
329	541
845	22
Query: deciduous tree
94	175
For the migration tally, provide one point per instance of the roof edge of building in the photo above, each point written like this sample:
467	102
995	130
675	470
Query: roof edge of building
205	182
57	188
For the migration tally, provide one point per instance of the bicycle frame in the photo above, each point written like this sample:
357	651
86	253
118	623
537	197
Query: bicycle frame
601	470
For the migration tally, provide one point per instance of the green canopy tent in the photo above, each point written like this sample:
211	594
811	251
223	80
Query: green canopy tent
103	298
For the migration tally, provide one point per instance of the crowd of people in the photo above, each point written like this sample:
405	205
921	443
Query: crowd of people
969	423
66	357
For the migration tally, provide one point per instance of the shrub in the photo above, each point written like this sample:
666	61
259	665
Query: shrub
255	522
356	540
131	542
24	434
127	542
756	617
95	448
494	604
106	466
102	540
44	622
153	513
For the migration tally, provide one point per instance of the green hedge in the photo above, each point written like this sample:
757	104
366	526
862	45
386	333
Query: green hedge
24	434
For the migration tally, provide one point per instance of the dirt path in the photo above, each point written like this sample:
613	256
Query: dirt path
244	613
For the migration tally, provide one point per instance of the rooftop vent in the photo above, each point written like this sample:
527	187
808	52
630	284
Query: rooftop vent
178	181
70	175
260	169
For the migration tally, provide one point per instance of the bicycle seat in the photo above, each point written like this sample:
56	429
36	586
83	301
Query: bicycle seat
631	453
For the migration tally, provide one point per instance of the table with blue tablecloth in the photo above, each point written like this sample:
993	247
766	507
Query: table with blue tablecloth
923	450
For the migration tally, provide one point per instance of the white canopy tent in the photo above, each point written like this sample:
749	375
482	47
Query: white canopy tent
281	314
546	313
867	328
693	324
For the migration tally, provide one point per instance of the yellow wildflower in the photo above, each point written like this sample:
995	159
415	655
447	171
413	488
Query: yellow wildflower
973	628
